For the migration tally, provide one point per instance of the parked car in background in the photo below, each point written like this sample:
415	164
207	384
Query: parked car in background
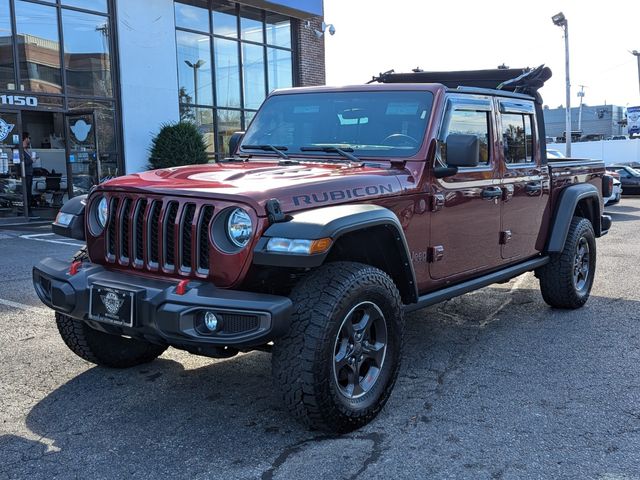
629	177
616	193
553	154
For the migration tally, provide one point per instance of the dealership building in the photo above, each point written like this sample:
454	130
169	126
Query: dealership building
92	81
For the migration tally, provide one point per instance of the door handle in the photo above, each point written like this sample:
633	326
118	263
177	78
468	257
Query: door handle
492	192
534	187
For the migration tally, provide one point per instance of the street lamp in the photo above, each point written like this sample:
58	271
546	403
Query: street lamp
195	67
636	53
560	20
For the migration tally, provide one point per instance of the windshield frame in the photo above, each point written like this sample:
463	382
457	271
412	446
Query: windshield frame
418	153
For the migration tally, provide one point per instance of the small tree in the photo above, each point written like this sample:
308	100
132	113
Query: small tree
178	144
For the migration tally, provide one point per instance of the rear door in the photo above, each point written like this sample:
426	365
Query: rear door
525	181
465	222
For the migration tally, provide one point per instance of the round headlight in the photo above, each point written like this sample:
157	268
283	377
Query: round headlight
102	212
239	227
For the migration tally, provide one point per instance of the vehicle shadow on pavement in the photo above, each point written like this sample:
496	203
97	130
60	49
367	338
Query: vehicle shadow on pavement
621	217
165	419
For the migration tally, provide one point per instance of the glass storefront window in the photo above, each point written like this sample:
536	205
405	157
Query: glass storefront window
278	30
38	47
252	54
94	5
194	67
87	57
192	17
253	75
225	20
228	124
279	68
7	77
227	73
251	27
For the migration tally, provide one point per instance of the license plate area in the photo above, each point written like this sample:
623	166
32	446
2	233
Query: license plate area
112	305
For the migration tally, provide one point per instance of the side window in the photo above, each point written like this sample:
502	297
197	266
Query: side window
467	122
517	135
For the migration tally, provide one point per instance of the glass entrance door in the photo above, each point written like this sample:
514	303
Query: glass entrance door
11	172
83	159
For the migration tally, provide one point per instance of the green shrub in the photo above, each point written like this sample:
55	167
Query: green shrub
177	144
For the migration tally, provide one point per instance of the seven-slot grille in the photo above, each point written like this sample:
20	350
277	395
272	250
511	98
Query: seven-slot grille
168	235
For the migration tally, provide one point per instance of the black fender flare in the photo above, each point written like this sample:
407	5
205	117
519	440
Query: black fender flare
75	228
335	222
566	206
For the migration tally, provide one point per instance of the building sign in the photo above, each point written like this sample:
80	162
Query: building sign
18	100
633	120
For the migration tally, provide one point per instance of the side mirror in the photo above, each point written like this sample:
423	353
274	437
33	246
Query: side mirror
463	150
234	141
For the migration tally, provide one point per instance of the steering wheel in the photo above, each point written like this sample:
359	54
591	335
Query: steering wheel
400	140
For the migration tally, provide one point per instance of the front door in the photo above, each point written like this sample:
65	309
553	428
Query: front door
12	195
83	160
465	219
525	184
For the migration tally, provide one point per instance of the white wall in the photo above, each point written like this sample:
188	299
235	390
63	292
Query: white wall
611	151
148	74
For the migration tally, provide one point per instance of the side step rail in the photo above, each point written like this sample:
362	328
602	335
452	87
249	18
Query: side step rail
470	285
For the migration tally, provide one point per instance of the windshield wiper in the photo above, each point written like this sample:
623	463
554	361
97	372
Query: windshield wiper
331	149
268	148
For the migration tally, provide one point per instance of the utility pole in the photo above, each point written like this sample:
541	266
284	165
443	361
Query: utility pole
636	53
560	20
581	95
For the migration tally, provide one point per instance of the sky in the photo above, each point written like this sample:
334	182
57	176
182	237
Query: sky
374	36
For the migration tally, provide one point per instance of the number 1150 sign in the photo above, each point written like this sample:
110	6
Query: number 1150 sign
18	100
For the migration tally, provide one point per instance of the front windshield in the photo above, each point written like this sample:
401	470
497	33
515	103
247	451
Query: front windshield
371	124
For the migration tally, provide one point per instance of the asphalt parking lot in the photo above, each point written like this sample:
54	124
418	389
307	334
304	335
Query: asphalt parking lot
494	385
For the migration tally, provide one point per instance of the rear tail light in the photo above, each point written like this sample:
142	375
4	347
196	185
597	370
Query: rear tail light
607	186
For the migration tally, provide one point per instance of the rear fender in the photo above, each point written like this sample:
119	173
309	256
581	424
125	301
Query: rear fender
582	199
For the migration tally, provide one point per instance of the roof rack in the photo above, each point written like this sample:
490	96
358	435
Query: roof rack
517	80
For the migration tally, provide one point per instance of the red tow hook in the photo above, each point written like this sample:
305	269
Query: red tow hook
181	289
75	266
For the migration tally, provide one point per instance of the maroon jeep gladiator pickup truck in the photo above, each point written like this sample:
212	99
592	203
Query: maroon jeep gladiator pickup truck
339	210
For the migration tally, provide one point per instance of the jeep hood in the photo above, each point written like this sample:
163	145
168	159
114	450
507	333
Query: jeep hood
297	187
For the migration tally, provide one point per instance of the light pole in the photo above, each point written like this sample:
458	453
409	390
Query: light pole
561	21
581	96
195	67
636	53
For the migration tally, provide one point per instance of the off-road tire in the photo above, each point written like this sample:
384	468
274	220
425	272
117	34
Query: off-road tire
81	255
105	349
303	360
557	283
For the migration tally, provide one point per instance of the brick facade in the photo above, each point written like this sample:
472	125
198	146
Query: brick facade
310	69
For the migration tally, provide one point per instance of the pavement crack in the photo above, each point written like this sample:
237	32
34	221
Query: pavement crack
291	450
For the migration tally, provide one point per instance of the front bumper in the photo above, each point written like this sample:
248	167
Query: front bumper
160	314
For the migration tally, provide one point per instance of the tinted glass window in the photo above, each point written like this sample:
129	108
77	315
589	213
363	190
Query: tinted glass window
193	17
225	20
7	80
38	47
279	68
376	124
227	72
517	137
466	122
95	5
251	25
253	75
228	124
278	30
86	53
194	68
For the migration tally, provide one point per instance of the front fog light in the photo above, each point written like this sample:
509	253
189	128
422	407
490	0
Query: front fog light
211	321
